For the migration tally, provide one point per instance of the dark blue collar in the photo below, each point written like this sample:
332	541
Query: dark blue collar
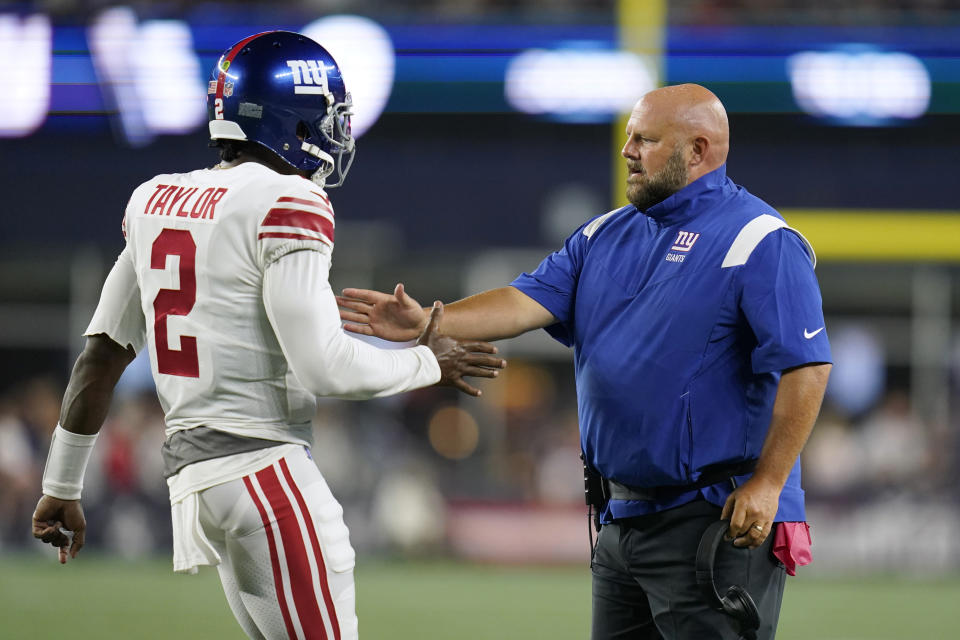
693	200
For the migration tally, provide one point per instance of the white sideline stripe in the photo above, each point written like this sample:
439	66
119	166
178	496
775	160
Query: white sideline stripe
274	532
752	234
591	228
749	237
308	545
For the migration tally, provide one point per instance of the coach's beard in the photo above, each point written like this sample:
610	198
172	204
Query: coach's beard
656	188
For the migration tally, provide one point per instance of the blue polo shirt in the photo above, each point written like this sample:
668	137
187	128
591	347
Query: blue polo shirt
682	318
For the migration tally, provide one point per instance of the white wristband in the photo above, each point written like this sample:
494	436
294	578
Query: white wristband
66	463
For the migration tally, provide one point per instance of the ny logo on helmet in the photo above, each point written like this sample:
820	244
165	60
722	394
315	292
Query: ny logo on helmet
309	76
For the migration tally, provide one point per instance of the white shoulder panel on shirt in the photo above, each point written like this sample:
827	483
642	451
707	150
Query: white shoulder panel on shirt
752	234
591	228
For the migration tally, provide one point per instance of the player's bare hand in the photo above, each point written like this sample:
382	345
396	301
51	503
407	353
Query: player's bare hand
54	517
396	316
459	358
751	509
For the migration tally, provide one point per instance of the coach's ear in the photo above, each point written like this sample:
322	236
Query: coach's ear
699	147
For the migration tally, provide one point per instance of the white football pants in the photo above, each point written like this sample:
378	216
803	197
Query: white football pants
287	563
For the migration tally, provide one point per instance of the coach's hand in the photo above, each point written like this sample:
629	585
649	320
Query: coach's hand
396	317
459	358
751	509
54	515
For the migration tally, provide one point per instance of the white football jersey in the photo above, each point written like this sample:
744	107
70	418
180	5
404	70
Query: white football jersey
198	244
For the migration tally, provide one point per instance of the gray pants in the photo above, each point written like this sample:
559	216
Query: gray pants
644	582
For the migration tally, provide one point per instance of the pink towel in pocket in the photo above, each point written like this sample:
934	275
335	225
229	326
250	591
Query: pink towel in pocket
791	545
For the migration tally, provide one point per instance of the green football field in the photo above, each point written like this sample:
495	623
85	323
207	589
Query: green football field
96	598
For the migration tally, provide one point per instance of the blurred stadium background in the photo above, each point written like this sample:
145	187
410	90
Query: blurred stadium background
490	130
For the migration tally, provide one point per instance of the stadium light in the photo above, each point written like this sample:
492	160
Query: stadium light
364	52
859	86
150	72
25	61
576	84
169	78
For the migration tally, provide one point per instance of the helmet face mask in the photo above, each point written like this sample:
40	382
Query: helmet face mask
285	92
336	152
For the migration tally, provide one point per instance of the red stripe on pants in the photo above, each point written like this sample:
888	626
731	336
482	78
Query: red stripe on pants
274	560
298	564
324	586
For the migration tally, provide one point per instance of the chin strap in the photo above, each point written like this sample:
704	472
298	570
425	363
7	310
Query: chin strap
319	178
327	164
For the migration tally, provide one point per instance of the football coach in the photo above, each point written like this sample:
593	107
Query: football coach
701	360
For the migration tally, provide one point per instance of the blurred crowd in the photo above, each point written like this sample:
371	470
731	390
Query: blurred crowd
888	451
395	464
402	465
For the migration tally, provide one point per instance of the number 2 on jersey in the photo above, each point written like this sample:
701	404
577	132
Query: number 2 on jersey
175	302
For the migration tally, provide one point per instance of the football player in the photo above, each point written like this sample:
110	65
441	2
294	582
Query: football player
224	279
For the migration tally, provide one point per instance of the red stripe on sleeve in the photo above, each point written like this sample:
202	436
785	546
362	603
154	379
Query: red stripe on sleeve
317	551
274	558
312	203
321	196
298	565
292	236
300	219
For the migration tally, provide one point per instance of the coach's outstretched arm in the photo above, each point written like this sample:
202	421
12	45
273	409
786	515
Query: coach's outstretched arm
85	406
492	315
303	312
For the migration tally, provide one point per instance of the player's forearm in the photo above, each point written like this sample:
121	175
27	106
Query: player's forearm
494	315
354	370
303	312
85	405
90	390
794	413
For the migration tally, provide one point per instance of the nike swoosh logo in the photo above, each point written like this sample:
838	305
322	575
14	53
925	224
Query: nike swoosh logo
808	335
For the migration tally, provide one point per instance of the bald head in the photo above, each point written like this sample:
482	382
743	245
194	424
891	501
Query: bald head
675	135
689	112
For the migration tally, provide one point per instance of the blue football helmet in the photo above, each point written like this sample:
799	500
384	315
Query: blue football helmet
285	92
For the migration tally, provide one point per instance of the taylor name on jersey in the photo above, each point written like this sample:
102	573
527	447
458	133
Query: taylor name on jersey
199	244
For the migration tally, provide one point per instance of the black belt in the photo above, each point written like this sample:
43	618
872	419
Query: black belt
711	475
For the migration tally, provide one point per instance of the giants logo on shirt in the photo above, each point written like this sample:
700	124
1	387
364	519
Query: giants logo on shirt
684	241
682	244
309	76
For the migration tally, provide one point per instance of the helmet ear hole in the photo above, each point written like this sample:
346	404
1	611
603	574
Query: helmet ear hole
303	131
